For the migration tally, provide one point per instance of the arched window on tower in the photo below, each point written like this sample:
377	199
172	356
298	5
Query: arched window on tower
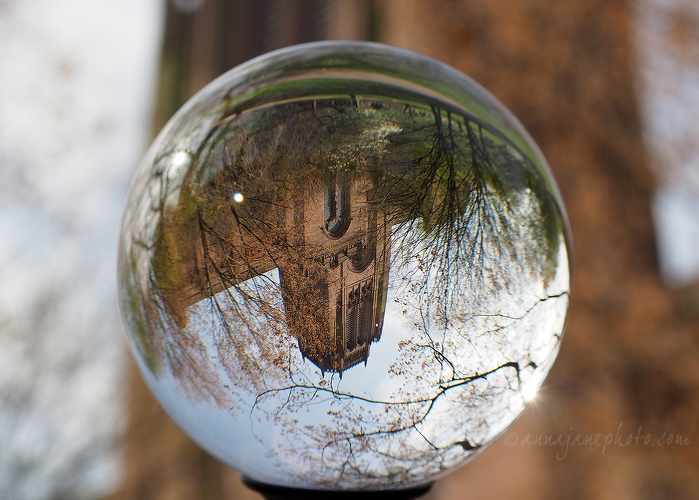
336	209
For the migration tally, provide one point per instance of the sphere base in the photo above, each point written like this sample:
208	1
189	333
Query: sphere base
271	492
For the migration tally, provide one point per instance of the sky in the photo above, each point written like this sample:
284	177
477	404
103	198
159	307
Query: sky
77	79
667	50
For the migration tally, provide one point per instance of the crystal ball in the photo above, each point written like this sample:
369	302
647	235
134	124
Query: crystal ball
344	266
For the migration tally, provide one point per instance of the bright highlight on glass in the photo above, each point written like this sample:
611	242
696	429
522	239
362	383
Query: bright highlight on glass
385	298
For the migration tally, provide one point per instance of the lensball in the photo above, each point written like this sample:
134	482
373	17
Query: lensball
344	266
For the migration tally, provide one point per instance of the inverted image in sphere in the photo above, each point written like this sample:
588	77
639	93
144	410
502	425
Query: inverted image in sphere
344	266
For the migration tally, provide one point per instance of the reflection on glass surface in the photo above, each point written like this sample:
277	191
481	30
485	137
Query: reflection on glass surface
344	265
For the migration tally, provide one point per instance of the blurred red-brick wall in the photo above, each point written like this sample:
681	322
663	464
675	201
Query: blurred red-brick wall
629	364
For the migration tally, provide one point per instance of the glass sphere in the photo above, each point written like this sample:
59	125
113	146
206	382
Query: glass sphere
344	266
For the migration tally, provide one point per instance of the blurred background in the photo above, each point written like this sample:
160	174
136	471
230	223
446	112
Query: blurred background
609	89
